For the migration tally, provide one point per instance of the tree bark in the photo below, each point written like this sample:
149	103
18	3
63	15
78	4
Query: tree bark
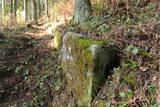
46	7
30	10
3	7
82	10
26	10
14	9
39	8
11	11
34	10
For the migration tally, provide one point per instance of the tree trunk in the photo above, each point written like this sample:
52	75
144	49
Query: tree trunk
3	6
39	8
34	10
11	11
30	9
82	10
14	9
26	10
46	7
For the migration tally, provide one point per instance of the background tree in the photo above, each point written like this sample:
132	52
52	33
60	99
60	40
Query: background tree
30	9
3	8
39	8
11	11
26	10
46	7
14	9
34	11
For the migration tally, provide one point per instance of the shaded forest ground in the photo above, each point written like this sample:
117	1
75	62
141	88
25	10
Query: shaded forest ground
31	76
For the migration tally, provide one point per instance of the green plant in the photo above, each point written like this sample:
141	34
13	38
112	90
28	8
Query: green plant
128	94
19	69
107	104
110	95
130	64
104	28
130	79
123	104
152	87
155	105
132	49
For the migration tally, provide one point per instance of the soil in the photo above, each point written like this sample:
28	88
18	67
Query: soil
30	75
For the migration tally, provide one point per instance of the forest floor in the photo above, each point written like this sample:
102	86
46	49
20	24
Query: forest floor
31	76
136	33
30	73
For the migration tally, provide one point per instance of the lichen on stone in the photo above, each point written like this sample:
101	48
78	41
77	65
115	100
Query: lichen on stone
81	62
57	39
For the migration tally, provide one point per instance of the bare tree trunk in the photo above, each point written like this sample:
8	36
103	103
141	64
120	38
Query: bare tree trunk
14	9
82	10
11	11
26	10
34	12
30	10
3	8
46	7
39	8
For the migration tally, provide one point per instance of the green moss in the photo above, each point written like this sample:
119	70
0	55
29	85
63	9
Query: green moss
84	63
131	80
86	42
57	39
82	68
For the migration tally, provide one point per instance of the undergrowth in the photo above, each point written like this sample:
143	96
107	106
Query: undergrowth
134	82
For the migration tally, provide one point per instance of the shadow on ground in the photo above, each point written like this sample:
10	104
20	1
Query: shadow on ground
30	74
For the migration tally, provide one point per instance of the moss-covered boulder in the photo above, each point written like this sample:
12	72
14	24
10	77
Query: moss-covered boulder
85	63
57	39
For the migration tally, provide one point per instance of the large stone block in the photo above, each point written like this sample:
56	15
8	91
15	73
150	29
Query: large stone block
85	63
